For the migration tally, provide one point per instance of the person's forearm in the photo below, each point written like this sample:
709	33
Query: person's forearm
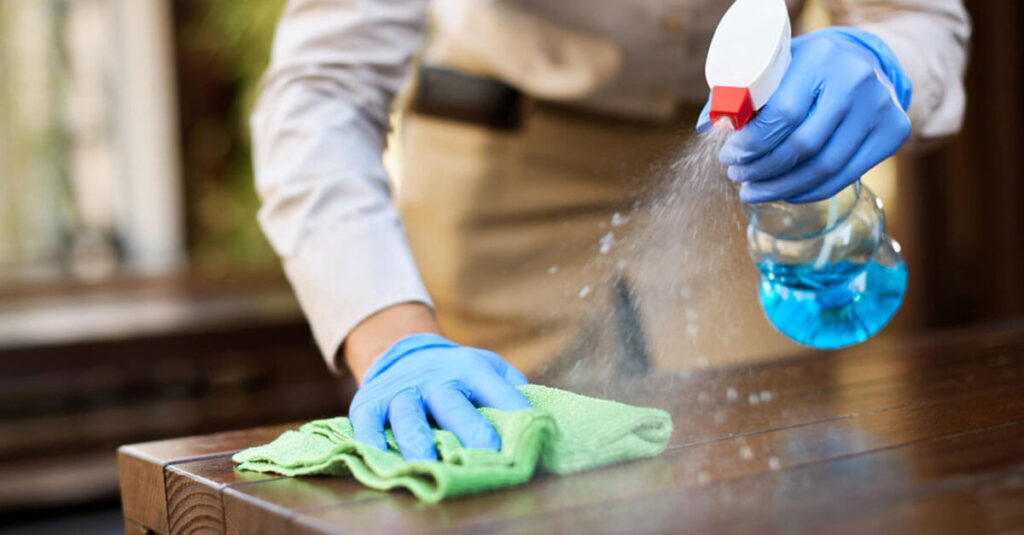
378	332
318	131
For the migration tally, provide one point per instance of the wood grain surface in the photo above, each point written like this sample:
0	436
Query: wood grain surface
920	435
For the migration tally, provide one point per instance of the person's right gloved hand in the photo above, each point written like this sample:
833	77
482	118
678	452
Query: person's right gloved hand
426	374
839	111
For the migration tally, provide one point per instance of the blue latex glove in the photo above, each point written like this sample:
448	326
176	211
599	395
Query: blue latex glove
838	112
426	373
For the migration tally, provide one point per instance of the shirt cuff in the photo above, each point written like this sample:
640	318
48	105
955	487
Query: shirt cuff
345	274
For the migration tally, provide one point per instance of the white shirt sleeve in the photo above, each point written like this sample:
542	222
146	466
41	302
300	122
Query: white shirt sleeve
319	129
930	39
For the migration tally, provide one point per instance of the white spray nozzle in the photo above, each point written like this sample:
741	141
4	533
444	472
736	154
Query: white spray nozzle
748	57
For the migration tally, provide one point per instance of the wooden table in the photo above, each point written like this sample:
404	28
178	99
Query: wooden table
920	435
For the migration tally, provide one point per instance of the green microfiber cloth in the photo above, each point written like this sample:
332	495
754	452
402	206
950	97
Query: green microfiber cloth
563	432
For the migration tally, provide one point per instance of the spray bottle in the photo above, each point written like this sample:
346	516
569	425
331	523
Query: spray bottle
830	275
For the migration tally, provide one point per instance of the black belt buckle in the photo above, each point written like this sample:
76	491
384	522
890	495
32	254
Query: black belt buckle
450	94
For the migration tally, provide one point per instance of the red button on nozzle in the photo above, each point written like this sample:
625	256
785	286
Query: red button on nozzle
732	103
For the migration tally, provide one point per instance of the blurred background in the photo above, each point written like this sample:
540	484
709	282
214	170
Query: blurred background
139	300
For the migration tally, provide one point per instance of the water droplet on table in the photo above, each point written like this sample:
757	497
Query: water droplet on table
606	242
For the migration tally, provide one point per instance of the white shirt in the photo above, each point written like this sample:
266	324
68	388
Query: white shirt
319	126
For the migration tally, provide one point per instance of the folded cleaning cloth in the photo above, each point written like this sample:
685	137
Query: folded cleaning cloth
563	432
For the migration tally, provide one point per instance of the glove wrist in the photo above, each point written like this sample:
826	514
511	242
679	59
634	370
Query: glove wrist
887	60
403	348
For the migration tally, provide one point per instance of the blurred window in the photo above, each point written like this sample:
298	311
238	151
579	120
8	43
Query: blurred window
90	183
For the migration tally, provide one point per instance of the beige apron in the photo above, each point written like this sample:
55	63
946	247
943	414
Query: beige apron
510	231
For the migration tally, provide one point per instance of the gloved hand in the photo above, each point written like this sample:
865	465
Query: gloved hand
839	111
426	373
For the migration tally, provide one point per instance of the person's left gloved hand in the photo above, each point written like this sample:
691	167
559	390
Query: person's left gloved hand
425	373
838	112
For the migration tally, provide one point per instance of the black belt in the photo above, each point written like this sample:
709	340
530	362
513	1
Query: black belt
450	94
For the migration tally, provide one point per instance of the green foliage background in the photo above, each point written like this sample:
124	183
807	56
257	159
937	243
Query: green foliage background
232	39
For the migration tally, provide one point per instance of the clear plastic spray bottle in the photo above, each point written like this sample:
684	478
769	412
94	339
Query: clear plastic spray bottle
830	275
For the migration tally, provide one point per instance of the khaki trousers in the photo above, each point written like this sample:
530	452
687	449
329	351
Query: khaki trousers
553	246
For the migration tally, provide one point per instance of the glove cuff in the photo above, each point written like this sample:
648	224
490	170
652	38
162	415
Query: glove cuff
404	347
901	83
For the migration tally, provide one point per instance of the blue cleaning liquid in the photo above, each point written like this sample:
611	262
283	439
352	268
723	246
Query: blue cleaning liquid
840	305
